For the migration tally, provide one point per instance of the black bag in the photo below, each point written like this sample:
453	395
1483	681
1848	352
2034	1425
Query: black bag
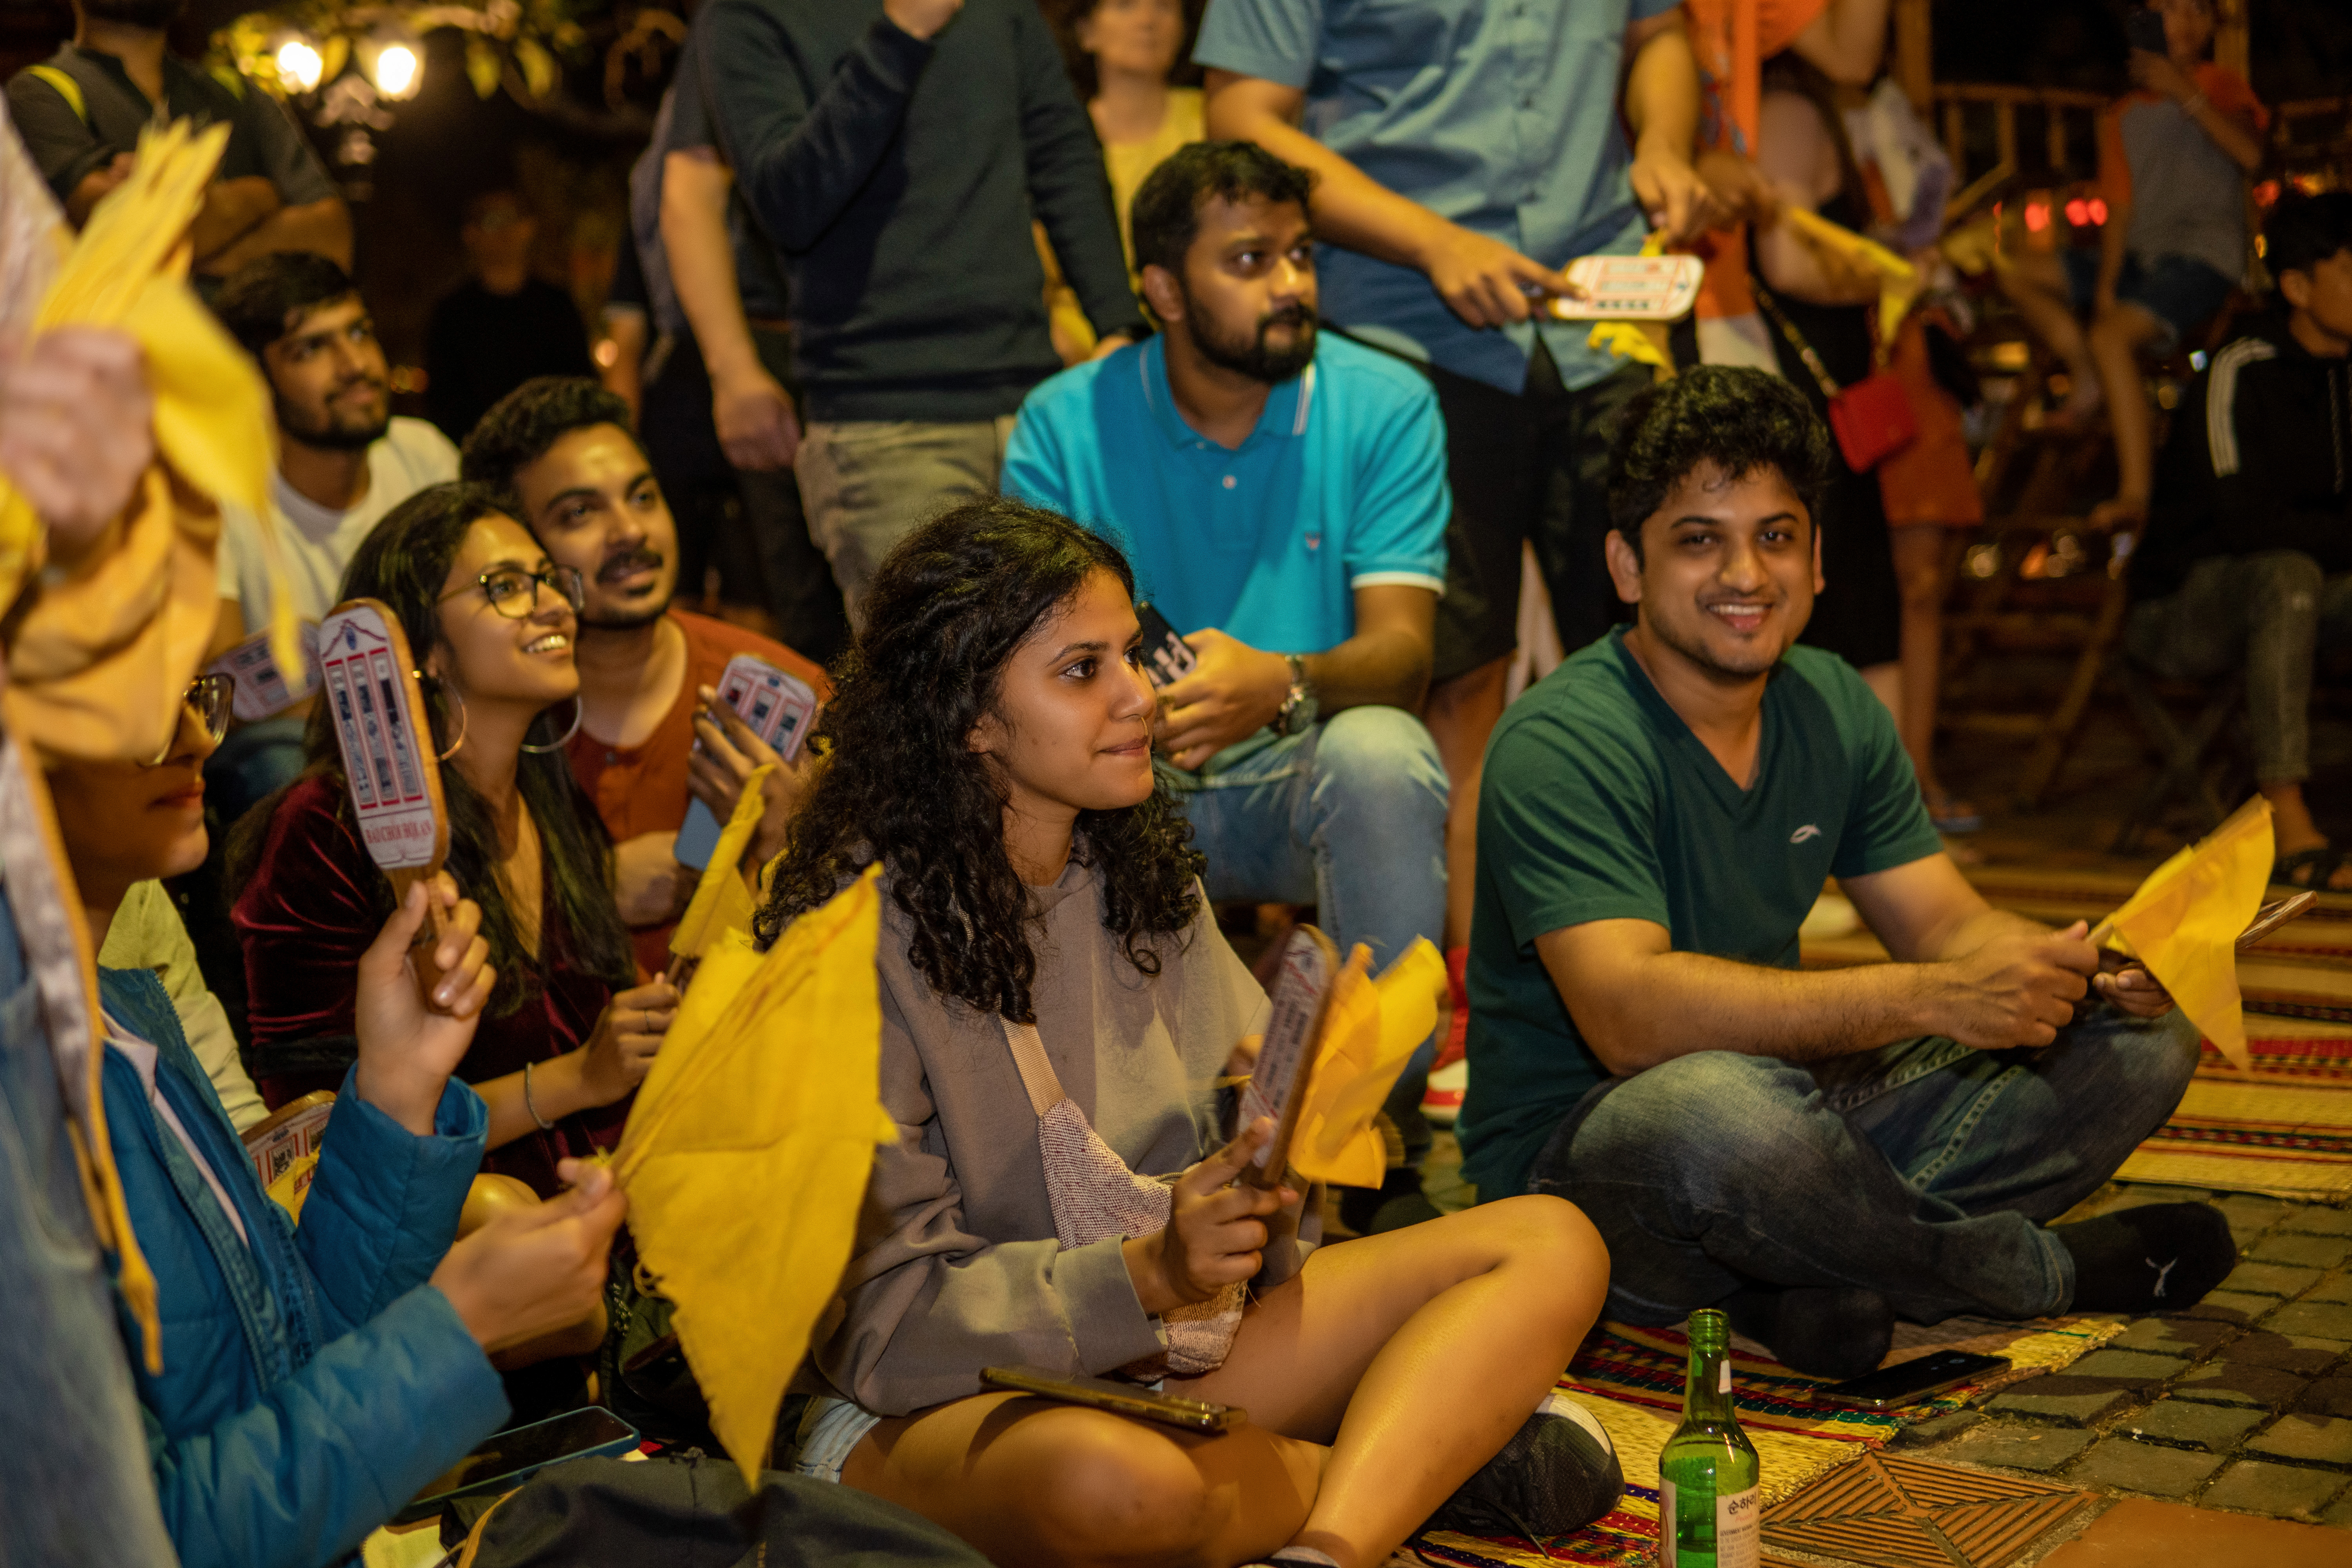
694	1513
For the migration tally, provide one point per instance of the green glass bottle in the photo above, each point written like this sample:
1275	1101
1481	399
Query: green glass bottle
1708	1511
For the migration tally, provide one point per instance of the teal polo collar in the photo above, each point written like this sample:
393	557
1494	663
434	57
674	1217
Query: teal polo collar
1289	403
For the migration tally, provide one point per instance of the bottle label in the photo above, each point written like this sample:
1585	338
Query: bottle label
1738	1531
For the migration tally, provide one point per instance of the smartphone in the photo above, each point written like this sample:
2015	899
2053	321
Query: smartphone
777	706
2144	29
1892	1387
1121	1398
1285	1058
1166	658
507	1459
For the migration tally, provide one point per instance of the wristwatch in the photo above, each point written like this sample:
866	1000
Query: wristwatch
1297	714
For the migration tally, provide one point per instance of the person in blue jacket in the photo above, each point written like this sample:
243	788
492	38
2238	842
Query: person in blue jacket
310	1381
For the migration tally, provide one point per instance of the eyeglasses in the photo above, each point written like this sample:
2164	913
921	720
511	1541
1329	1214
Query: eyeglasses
514	592
207	699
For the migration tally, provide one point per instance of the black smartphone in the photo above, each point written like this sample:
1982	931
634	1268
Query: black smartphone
2145	30
506	1459
1121	1398
1166	658
1892	1387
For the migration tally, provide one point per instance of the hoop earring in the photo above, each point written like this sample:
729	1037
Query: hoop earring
579	712
464	719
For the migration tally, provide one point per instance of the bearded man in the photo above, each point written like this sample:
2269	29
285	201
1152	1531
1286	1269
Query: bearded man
81	112
650	735
1283	497
343	461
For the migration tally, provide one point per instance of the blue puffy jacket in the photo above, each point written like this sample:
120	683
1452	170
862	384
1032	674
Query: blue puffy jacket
312	1380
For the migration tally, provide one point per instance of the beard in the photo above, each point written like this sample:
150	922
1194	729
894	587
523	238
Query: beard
334	433
153	14
1250	355
629	620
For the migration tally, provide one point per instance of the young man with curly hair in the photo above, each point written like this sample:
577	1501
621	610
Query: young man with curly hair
1819	1151
651	737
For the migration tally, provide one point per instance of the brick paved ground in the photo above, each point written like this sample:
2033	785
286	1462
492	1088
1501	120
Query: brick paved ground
2242	1402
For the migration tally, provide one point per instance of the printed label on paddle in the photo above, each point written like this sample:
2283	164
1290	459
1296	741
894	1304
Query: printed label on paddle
262	689
777	706
383	758
1634	287
1737	1538
1289	1033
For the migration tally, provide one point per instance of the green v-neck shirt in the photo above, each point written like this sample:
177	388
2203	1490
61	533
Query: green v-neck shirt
1600	803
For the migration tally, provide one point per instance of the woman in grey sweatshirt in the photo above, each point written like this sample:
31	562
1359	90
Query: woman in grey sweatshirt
990	743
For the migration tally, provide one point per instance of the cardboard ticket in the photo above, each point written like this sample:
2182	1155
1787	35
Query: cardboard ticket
371	689
776	705
263	691
1630	288
1285	1060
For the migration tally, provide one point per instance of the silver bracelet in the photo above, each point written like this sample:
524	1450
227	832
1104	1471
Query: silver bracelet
544	1124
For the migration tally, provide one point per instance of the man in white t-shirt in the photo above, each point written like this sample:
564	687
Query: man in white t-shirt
343	462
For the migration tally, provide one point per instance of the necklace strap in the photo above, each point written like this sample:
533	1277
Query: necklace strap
1029	1058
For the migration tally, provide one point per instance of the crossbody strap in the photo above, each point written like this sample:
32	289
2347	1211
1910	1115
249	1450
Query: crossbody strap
1036	1072
1796	338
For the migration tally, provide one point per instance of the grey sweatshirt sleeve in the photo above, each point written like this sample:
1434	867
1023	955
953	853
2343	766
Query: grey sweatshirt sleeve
1068	187
800	160
930	1303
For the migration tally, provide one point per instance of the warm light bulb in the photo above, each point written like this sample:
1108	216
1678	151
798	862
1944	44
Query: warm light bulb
298	65
397	70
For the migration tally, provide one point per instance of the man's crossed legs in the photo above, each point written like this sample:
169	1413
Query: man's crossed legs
1922	1174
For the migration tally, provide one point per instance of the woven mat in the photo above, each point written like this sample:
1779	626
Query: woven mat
1631	1379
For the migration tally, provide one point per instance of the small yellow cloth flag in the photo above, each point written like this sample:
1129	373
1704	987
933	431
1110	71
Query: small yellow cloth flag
2184	922
722	899
1369	1031
746	1154
1898	282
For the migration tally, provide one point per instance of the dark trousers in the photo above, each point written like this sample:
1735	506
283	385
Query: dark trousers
1529	465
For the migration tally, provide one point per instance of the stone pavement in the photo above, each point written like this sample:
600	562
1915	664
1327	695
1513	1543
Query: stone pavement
2241	1403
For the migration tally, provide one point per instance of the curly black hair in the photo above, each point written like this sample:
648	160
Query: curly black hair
520	427
900	784
1742	420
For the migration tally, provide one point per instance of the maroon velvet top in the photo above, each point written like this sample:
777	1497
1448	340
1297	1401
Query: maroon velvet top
304	919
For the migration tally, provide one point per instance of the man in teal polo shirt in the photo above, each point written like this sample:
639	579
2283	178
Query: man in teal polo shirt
1283	500
1464	153
1819	1152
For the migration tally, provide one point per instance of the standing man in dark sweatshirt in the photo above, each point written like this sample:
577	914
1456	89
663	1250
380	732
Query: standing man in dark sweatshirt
894	151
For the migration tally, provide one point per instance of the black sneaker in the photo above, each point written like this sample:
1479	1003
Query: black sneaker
1558	1473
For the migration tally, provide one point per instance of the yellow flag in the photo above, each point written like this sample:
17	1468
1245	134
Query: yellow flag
1898	282
722	901
1371	1028
746	1156
2184	922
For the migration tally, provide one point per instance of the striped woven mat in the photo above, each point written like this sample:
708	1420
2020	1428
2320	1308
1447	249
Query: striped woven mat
1631	1379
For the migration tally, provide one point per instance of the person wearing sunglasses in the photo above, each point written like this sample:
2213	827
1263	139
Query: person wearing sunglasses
568	1033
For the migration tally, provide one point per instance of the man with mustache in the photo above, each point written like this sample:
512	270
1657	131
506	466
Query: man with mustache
648	672
1818	1153
343	461
1283	497
82	110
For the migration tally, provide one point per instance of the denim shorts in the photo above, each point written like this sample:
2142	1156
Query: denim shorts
2180	291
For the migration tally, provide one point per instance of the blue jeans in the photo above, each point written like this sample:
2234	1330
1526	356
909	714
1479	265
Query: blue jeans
81	1488
1351	818
1924	1171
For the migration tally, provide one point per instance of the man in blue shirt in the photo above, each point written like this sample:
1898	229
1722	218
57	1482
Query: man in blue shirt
1465	152
1819	1151
1283	497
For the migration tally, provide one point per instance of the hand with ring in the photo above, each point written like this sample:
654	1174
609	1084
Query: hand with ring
621	1052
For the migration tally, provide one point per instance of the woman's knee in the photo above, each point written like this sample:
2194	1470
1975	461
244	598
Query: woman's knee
1549	1236
1106	1490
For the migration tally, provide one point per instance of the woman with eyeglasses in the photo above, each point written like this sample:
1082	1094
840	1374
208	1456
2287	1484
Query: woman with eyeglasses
308	1379
568	1035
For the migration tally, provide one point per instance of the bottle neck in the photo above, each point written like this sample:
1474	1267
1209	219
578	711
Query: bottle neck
1706	1398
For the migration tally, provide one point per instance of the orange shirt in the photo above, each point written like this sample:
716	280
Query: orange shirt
1732	39
642	788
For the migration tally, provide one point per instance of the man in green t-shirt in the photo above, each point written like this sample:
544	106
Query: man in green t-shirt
1819	1151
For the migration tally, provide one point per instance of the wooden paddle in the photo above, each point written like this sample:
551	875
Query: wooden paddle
368	682
1285	1058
